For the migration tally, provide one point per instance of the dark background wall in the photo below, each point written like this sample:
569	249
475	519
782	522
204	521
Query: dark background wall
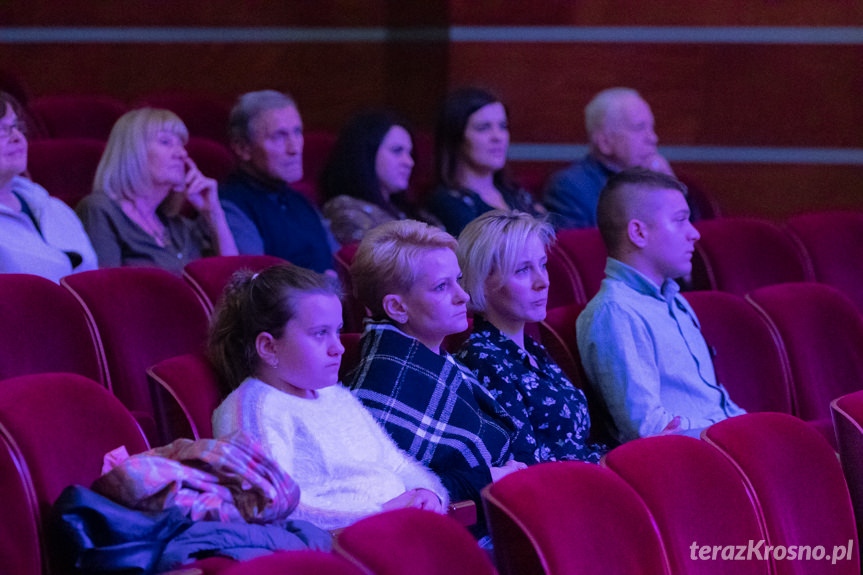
791	88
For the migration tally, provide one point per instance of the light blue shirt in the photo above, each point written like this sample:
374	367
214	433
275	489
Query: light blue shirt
642	349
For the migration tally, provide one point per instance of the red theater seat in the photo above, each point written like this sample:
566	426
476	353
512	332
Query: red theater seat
412	541
571	517
695	496
205	115
20	531
43	330
738	255
748	354
209	276
564	283
558	336
354	312
316	149
834	243
66	167
822	333
140	316
193	393
295	563
214	159
586	251
847	414
54	430
798	484
78	116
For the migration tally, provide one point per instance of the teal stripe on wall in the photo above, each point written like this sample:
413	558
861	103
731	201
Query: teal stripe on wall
537	152
480	34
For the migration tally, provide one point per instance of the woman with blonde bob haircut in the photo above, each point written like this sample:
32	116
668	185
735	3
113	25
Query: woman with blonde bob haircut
143	180
406	272
504	257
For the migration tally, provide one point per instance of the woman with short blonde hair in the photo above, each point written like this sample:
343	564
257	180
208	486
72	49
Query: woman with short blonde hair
386	262
406	272
504	257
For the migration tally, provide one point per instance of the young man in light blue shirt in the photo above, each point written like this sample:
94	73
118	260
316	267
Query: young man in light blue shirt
639	340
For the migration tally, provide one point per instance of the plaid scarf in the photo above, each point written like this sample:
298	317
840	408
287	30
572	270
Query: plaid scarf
229	479
430	405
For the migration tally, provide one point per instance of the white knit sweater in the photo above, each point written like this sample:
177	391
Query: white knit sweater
345	464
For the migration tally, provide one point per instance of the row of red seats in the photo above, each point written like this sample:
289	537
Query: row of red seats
735	255
55	429
673	504
650	507
789	347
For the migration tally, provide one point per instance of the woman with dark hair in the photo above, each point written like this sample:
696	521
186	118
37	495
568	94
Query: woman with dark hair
471	144
365	180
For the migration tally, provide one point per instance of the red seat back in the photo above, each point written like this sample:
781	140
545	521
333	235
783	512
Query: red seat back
564	283
209	276
695	496
78	115
295	563
823	336
571	517
834	244
413	541
558	336
44	330
20	545
354	312
213	158
188	392
140	316
847	414
748	354
586	250
798	484
58	426
738	255
66	167
316	149
205	115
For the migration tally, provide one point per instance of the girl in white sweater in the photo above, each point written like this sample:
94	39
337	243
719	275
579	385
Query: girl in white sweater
275	342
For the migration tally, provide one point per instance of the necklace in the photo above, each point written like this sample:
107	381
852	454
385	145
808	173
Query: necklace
151	225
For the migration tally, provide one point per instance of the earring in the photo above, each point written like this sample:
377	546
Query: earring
275	363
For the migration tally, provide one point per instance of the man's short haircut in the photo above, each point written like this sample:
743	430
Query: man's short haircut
387	260
603	107
618	198
249	106
493	244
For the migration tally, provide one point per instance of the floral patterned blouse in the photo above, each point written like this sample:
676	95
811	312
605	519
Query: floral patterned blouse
541	398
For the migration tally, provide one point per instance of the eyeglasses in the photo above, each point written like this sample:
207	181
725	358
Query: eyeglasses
6	129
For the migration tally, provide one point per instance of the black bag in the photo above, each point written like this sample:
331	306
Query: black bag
95	535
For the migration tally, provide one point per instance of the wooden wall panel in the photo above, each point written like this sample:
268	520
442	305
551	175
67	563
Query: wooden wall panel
777	191
232	13
721	94
666	13
709	94
329	81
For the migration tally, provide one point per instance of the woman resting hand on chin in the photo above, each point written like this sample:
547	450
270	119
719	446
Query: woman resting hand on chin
135	215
